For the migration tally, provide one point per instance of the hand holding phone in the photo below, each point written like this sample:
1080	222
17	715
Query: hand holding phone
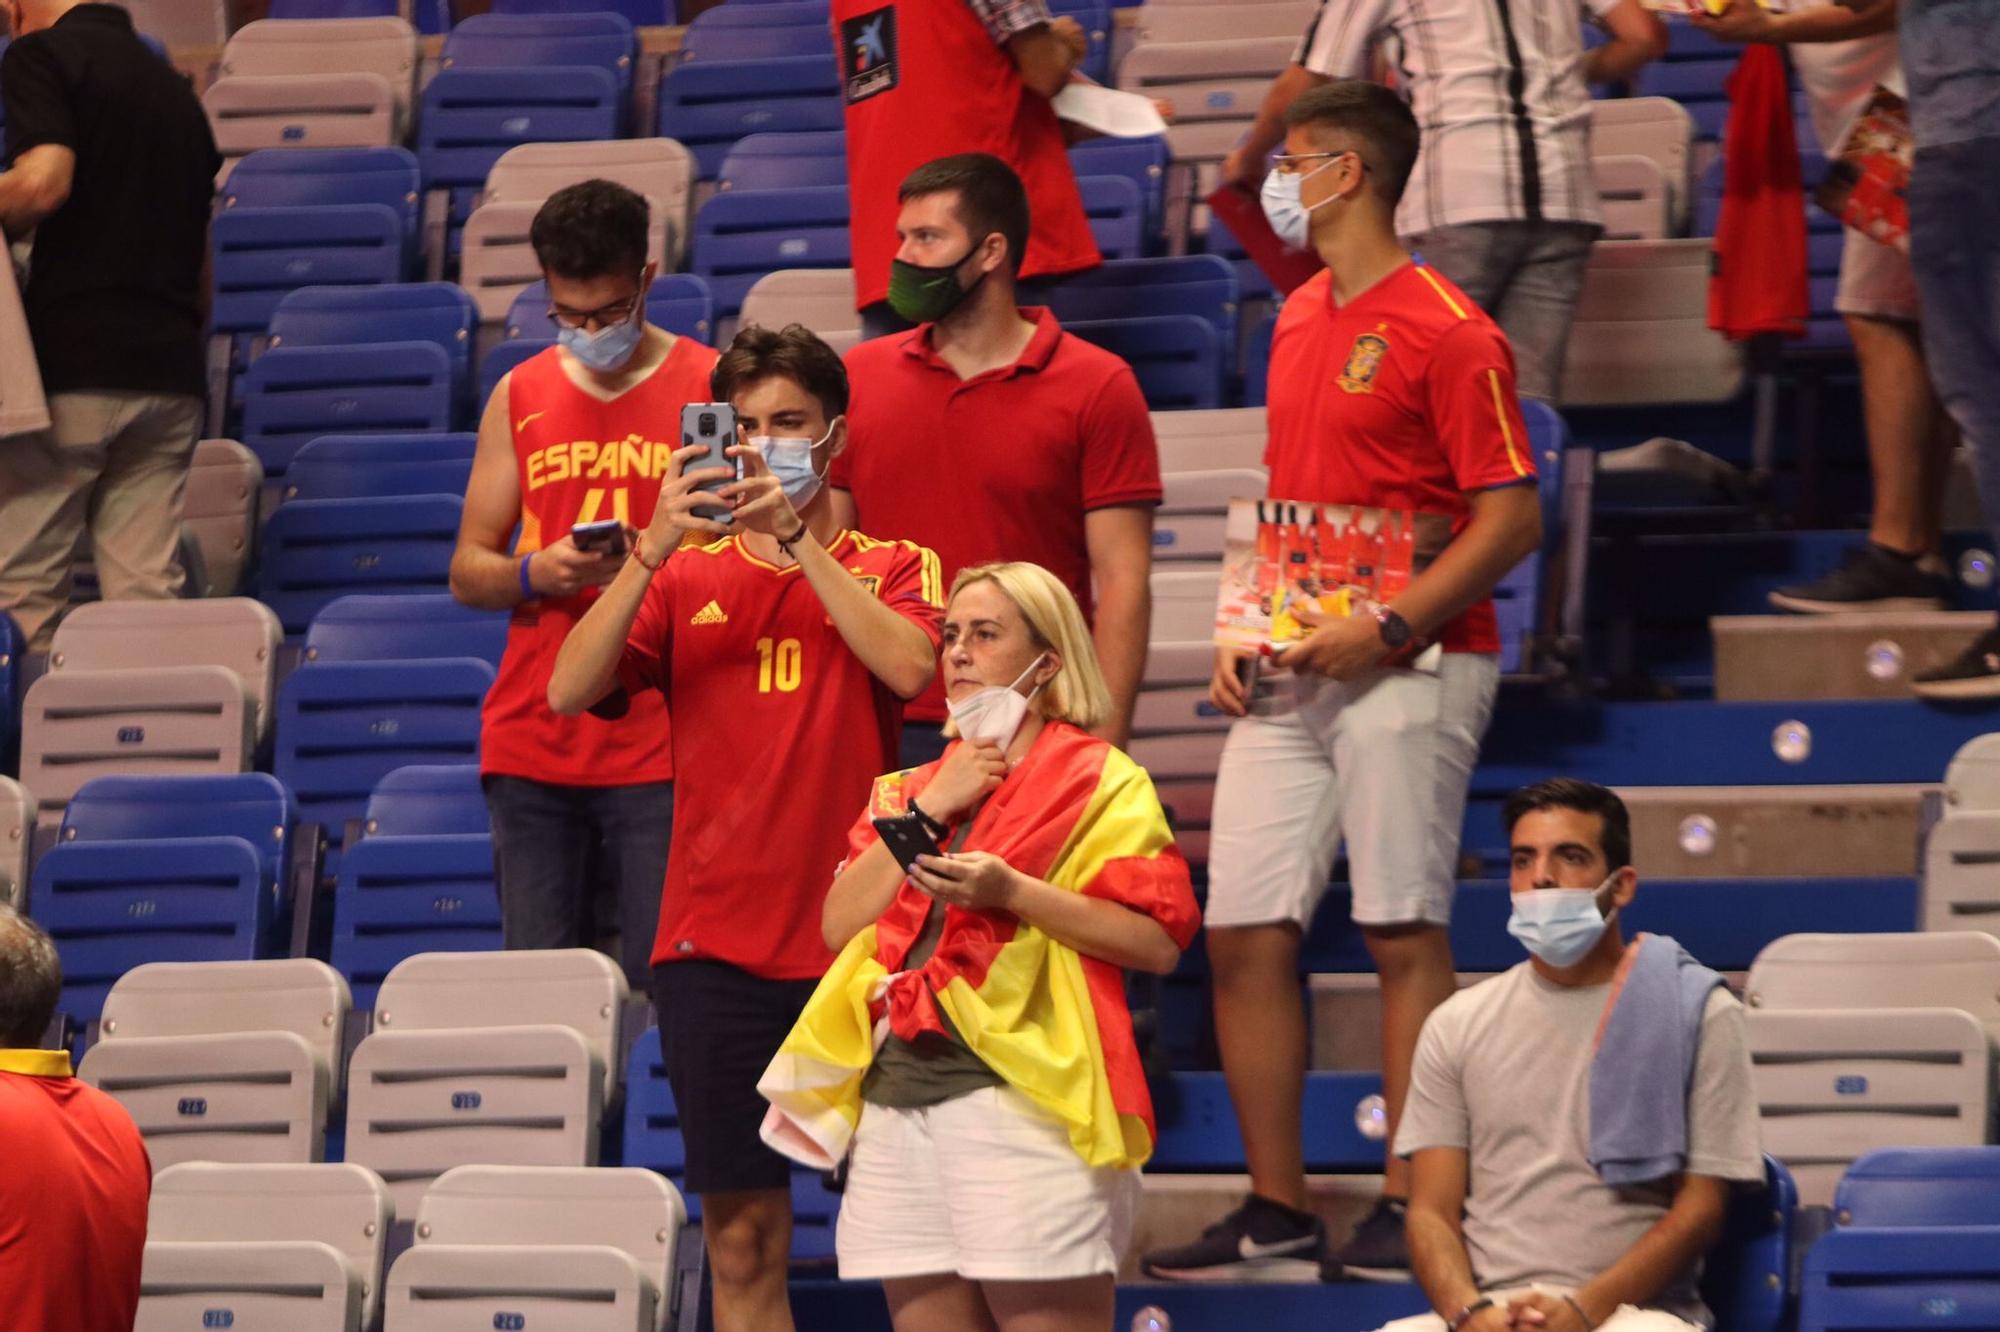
712	426
604	537
907	838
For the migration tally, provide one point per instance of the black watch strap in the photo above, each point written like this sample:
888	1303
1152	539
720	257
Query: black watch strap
937	830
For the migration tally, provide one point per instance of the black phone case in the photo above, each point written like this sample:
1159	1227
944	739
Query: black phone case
906	838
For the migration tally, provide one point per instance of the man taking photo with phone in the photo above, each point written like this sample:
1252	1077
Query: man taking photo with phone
787	647
579	434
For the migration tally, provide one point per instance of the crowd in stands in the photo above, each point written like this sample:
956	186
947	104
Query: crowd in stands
805	598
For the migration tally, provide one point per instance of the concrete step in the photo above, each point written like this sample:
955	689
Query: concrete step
1778	658
1717	832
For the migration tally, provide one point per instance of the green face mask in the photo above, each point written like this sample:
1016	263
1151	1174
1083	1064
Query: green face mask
926	295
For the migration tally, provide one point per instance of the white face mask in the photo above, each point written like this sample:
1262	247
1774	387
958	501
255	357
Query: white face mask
996	712
791	461
1287	213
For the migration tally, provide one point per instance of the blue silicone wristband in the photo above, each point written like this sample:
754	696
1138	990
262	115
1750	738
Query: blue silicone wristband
527	588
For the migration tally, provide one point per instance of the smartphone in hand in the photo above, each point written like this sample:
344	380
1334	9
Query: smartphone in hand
605	537
907	838
712	424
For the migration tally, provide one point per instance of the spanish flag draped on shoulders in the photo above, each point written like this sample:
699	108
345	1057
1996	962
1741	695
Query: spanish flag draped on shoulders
1076	813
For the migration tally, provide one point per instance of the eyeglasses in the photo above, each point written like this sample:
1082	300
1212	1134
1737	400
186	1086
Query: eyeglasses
1292	163
605	316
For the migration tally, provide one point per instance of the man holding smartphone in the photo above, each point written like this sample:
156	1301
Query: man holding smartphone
572	448
787	646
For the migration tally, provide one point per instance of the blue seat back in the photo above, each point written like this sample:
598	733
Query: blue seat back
320	177
1921	1186
785	161
1141	161
441	313
639	13
1094	17
1747	1280
1257	361
1117	215
1694	73
344	726
259	256
1897	1279
12	647
1517	598
374	466
110	906
598	39
742	235
1251	280
1177	358
427	800
395	897
678	302
319	550
778	31
709	104
253	806
405	628
652	1121
294	394
815	1216
472	114
1200	285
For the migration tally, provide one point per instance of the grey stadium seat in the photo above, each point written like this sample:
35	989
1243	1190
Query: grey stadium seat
238	633
17	832
223	491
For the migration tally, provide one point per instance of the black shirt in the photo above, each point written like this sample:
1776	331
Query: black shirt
114	296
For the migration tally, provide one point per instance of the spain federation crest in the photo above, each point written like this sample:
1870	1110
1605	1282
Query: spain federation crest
1363	361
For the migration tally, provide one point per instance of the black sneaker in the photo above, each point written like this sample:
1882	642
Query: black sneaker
1870	578
1259	1241
1378	1251
1974	673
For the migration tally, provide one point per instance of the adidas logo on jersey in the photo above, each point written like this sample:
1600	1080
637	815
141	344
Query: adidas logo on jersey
712	613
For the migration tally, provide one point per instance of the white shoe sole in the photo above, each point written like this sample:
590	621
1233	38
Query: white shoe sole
1978	686
1383	1275
1272	1271
1806	606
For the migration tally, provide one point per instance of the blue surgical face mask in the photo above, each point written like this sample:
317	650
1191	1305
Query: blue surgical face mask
1285	211
791	461
610	347
1560	925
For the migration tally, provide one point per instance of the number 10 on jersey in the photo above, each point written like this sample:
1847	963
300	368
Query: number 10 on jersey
778	664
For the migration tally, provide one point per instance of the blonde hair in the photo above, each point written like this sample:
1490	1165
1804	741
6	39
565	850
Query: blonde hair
1077	694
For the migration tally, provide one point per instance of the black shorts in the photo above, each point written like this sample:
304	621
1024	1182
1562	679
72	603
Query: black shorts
719	1027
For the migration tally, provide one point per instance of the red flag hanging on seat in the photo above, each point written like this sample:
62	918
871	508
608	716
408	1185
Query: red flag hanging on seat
1757	271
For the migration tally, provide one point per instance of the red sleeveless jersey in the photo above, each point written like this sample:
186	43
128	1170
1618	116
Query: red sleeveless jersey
922	79
581	459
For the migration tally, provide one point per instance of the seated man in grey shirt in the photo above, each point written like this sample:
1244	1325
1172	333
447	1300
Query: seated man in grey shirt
1510	1224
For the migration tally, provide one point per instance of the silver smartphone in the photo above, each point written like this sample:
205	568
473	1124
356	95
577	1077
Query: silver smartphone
713	425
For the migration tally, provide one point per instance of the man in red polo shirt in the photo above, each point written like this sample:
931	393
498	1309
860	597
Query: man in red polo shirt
1388	389
990	434
581	433
924	79
74	1178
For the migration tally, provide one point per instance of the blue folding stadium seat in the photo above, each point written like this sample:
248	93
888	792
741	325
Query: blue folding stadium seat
374	466
12	648
815	1216
1921	1186
742	235
1257	361
1200	285
1177	358
294	394
785	161
428	799
1695	73
771	31
317	550
1746	1281
1117	215
709	105
1142	161
1517	598
405	628
639	13
184	869
397	896
678	302
432	16
343	726
1094	16
1916	1243
319	177
1251	280
441	313
595	38
652	1120
498	363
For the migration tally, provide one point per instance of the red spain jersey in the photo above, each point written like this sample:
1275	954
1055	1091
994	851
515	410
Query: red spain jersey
923	79
579	459
1402	399
781	732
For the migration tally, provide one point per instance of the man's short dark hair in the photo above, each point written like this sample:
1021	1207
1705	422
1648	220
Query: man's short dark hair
592	229
30	980
1615	836
990	198
795	352
1378	119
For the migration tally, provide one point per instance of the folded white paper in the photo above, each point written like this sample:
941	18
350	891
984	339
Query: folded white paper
1122	115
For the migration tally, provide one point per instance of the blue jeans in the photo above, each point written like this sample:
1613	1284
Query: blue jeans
548	840
1955	250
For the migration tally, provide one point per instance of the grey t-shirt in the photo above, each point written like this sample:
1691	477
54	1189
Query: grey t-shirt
1503	1071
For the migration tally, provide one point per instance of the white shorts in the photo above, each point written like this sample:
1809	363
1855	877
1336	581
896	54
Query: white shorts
1876	280
985	1186
1625	1318
1382	763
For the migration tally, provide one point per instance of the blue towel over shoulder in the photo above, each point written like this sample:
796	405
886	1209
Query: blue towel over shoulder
1644	1065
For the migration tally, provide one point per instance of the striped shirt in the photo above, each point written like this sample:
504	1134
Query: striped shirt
1498	91
1006	19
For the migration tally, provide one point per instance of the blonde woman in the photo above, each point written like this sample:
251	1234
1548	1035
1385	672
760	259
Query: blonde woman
971	1044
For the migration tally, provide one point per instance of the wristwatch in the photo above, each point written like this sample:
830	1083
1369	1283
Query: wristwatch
1484	1302
1395	630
